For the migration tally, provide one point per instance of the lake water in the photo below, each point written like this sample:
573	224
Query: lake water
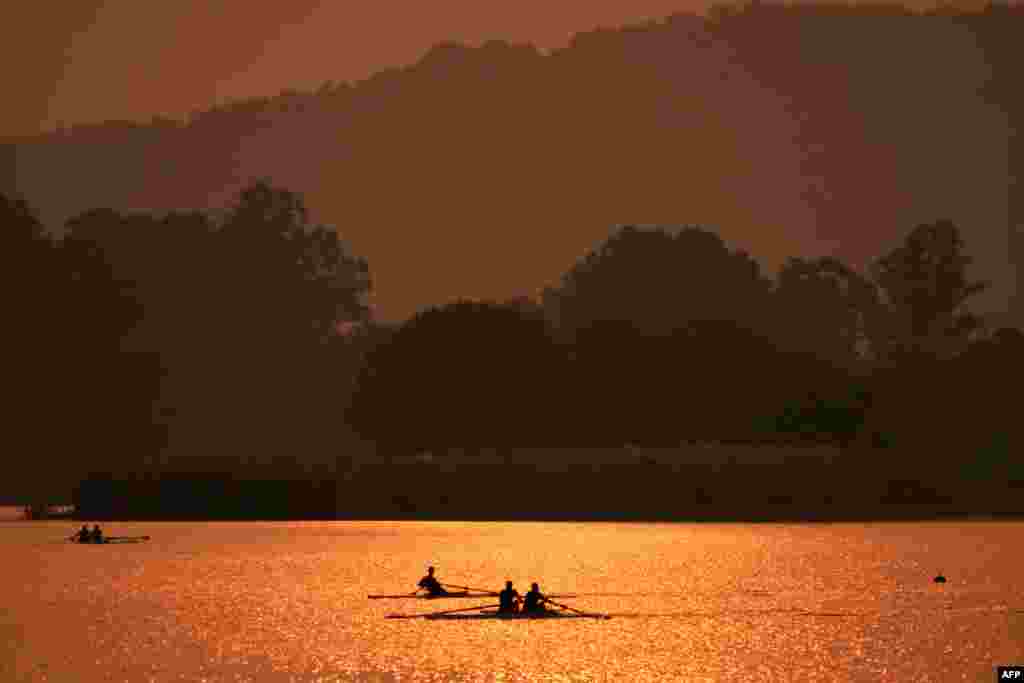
691	602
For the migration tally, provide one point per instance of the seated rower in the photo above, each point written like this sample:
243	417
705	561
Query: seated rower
534	601
96	536
508	600
82	535
430	584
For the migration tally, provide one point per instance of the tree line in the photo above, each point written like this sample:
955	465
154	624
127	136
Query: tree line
241	340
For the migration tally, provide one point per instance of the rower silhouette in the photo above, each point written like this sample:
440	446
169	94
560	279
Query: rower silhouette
534	601
940	578
430	584
508	600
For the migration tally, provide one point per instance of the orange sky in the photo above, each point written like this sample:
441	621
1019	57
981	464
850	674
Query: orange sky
88	60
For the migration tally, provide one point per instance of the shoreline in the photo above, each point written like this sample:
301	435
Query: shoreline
699	483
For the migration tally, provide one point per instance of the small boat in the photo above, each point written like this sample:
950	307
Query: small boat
549	614
489	611
38	511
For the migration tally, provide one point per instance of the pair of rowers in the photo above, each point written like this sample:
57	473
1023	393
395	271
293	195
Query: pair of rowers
532	602
509	600
83	535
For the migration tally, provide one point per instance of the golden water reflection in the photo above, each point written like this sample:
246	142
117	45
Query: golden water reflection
691	602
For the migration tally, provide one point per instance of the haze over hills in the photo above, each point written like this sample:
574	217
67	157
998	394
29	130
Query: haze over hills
483	172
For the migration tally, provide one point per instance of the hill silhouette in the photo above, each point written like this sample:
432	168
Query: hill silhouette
482	171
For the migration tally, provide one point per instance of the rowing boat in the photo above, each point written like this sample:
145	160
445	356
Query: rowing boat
113	539
550	614
451	594
488	611
491	613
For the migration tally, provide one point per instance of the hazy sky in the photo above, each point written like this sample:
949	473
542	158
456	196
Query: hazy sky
88	60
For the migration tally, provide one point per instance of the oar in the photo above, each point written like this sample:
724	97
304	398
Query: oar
468	588
416	595
430	614
488	592
126	538
572	609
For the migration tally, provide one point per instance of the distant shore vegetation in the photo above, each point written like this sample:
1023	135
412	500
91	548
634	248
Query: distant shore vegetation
242	341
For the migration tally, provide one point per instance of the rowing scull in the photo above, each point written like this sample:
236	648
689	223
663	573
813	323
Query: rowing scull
550	614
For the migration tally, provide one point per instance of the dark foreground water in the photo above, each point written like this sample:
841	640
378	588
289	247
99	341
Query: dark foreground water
691	602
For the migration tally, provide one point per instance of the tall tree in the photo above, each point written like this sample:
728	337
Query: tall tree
283	266
926	290
274	288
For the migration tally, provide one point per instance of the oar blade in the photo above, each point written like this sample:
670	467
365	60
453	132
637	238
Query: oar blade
595	615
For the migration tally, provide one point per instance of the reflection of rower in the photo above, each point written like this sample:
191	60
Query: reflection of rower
430	584
534	601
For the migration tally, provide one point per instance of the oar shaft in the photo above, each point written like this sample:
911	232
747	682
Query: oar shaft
465	609
461	594
469	588
450	611
558	604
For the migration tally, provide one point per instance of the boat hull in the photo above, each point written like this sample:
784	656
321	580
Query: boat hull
514	617
111	541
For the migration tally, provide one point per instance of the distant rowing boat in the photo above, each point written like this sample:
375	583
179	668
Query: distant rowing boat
113	539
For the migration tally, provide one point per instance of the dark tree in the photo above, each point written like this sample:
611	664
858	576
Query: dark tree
659	280
467	374
110	391
227	320
661	325
32	359
246	310
926	291
82	403
822	306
